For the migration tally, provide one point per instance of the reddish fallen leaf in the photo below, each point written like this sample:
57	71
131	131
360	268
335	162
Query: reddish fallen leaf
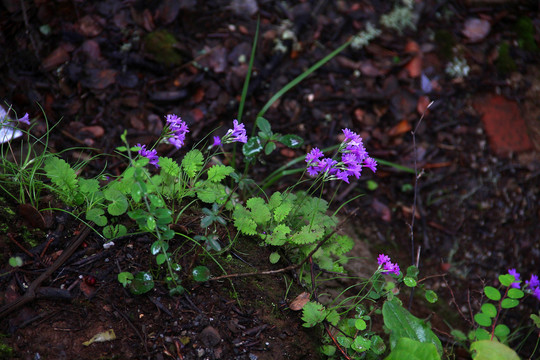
414	67
476	29
198	96
504	124
445	267
287	152
87	290
96	130
402	127
99	79
57	57
299	302
90	26
422	105
197	114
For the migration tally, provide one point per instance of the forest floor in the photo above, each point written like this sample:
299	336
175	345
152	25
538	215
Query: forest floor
99	68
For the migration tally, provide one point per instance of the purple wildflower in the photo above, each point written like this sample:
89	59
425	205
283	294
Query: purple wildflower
25	119
149	154
237	133
387	266
516	275
533	282
383	259
217	141
371	164
536	293
314	155
179	130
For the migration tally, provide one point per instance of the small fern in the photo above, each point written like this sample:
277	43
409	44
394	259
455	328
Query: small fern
63	178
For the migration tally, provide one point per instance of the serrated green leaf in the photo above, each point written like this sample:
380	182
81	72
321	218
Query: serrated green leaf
88	186
218	172
192	162
307	235
279	235
492	293
509	303
61	175
169	166
332	317
344	341
313	313
259	210
243	221
489	309
282	211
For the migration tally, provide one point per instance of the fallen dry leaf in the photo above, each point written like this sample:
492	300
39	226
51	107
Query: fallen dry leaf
299	302
476	29
414	67
402	127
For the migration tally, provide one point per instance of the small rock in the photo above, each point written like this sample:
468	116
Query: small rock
210	336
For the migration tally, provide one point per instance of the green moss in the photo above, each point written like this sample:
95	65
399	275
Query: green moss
525	32
160	45
6	352
505	63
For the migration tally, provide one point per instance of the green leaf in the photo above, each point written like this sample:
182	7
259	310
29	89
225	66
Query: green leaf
328	350
412	271
274	257
252	147
125	278
506	279
96	215
377	345
492	293
489	309
345	341
281	211
482	319
482	334
192	162
142	283
458	335
88	186
492	350
61	175
158	246
402	323
509	303
114	231
292	141
502	331
361	344
360	324
243	221
536	319
218	172
161	258
264	125
269	147
118	205
259	210
411	349
372	185
431	296
515	293
332	317
313	313
15	261
409	281
201	273
278	236
169	166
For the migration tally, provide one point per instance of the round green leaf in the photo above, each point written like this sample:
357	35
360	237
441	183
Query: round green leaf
409	281
502	331
372	185
96	215
482	334
142	283
201	273
509	303
269	147
15	261
377	345
506	279
412	271
489	309
492	293
178	290
161	258
361	344
431	296
125	278
328	350
515	293
150	223
344	341
360	324
274	257
482	319
118	205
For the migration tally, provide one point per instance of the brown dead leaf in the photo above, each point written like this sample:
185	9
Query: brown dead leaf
299	302
422	105
96	131
87	289
57	57
414	67
402	127
99	79
31	215
90	26
382	210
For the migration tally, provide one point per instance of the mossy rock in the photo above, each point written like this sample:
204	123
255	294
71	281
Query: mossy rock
160	45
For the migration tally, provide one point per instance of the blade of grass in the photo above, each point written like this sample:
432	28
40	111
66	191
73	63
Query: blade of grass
248	75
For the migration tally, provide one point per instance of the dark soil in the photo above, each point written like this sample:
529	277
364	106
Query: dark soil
96	69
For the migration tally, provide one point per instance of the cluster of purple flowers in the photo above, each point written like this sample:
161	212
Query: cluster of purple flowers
149	154
354	157
236	134
25	119
178	128
387	265
533	284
